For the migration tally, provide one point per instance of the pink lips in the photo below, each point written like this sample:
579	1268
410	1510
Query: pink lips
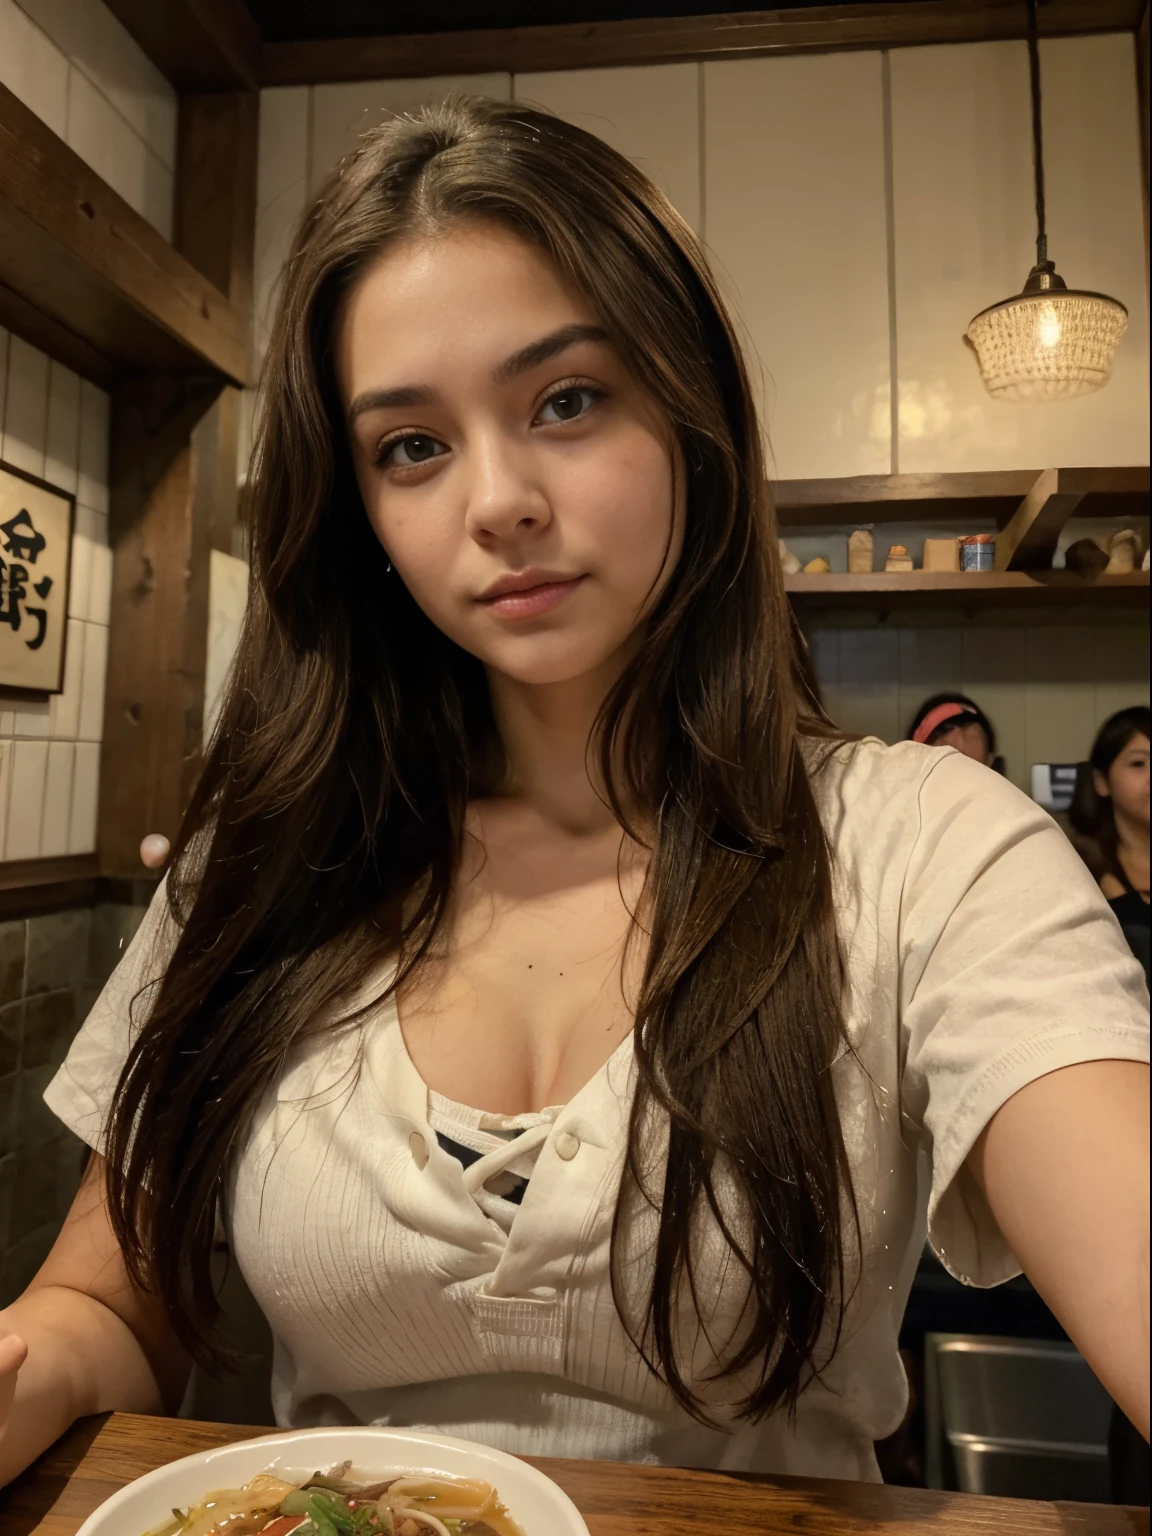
520	600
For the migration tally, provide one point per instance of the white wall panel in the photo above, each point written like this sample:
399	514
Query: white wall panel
26	799
965	238
32	67
342	113
57	799
26	408
281	188
795	220
99	45
651	114
85	798
63	440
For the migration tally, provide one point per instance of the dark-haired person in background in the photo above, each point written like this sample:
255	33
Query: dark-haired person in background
1110	814
952	720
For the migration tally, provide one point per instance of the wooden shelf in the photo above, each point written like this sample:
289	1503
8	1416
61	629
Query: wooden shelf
88	280
980	496
967	589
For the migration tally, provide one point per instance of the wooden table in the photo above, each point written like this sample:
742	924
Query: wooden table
617	1499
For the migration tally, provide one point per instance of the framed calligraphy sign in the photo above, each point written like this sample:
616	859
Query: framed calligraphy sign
35	550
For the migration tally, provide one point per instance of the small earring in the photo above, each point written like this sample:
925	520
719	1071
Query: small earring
387	565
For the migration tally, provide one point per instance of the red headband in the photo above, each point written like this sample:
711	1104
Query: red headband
936	718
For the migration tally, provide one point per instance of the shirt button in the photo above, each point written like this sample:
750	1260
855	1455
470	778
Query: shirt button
567	1145
419	1148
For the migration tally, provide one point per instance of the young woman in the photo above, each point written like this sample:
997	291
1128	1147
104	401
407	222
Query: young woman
1110	811
572	1034
952	720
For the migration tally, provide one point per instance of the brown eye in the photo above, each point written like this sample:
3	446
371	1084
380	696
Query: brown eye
410	451
568	405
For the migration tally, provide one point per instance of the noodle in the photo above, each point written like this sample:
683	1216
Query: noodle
331	1504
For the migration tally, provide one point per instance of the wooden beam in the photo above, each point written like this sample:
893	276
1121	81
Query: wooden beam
1029	540
174	498
593	45
154	695
215	208
30	886
200	45
74	254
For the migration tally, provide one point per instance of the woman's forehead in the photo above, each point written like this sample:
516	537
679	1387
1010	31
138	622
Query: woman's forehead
474	292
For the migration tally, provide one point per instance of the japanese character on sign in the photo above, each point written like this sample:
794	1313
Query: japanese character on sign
35	541
21	538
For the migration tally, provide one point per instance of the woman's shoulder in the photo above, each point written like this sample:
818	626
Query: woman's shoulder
879	802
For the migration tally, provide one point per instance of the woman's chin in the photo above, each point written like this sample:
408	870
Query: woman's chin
547	663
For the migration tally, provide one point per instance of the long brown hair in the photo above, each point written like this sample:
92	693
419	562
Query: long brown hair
325	832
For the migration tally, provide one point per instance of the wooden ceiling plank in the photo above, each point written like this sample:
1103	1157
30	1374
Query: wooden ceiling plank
593	45
199	45
73	250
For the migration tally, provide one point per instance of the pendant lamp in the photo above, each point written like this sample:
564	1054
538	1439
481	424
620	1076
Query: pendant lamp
1050	341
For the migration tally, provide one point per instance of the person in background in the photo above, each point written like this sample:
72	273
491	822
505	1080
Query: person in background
1110	814
951	720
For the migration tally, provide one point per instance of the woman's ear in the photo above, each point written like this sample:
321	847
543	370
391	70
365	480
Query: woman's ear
1100	785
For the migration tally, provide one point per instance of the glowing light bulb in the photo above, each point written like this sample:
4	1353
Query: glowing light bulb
1048	328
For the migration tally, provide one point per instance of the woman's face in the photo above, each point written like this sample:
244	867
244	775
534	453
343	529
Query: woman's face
967	737
519	478
1127	780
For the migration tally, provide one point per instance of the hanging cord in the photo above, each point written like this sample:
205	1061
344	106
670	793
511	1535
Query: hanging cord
1037	135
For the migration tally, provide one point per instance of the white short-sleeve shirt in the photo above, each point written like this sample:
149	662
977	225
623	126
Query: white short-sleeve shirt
980	957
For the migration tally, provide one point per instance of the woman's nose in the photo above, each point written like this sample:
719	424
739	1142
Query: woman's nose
505	497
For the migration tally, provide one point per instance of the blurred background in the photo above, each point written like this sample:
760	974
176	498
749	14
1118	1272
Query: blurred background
863	179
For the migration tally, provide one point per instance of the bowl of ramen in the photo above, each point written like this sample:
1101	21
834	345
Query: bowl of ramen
341	1482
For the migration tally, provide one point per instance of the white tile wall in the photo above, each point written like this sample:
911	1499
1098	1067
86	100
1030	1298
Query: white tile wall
26	799
62	446
1046	688
25	438
649	113
281	190
56	425
78	69
85	793
965	238
795	221
32	67
791	199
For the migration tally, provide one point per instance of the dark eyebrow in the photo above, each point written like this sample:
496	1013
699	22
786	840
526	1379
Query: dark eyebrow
529	357
538	352
382	399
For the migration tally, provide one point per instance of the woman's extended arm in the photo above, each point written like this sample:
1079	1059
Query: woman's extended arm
93	1342
1064	1168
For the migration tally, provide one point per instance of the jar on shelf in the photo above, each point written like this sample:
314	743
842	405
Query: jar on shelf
978	552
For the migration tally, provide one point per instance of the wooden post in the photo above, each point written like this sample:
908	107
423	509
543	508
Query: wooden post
173	499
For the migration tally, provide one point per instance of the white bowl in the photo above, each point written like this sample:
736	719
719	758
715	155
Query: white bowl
534	1500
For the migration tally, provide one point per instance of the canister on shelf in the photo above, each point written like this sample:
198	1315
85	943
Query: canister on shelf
941	555
860	549
978	552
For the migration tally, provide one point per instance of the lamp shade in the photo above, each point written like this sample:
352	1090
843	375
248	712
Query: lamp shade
1049	342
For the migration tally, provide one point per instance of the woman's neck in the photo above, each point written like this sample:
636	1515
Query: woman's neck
545	730
1132	847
